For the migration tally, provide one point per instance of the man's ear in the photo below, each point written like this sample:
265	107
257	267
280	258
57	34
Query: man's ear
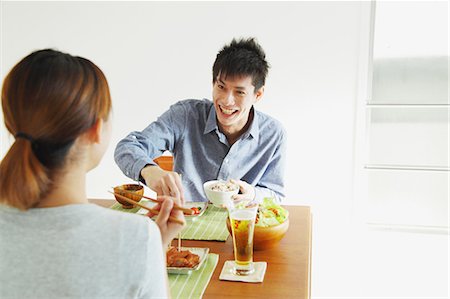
259	93
95	132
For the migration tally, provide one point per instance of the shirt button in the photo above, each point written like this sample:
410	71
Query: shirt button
226	161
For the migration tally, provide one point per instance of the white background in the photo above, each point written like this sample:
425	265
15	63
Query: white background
156	53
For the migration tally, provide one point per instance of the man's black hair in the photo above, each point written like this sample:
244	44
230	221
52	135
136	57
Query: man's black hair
243	57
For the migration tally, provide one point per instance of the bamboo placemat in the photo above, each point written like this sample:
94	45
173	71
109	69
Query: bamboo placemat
194	284
211	226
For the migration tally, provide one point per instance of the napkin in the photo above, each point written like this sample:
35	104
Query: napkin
257	276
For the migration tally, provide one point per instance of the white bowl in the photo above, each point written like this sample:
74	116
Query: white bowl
218	198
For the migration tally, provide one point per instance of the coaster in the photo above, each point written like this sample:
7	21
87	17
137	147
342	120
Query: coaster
257	276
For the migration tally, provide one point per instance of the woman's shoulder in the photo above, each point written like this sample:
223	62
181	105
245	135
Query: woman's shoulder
125	221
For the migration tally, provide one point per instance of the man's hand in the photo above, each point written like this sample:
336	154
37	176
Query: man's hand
163	182
247	191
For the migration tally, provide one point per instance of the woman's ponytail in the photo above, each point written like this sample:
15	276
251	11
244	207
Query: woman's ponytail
49	99
23	178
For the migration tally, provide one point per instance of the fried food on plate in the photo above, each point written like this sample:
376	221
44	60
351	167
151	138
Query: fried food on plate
182	259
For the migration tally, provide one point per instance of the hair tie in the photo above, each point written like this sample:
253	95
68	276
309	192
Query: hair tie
24	136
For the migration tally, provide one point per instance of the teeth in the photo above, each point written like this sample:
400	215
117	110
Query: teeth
227	111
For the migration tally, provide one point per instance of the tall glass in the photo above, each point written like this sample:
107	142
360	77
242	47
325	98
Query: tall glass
242	221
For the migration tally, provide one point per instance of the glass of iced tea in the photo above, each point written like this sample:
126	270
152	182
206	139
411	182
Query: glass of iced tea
242	221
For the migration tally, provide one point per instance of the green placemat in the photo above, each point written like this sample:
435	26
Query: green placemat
194	284
211	226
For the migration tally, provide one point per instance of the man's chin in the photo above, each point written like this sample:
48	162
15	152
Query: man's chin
226	122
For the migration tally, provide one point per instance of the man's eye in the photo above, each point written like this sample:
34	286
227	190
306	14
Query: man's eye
220	86
241	93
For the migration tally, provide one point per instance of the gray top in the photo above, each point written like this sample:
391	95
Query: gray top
201	152
79	251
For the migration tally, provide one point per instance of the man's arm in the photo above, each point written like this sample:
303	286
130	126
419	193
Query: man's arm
271	183
138	149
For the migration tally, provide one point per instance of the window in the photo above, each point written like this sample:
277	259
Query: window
406	161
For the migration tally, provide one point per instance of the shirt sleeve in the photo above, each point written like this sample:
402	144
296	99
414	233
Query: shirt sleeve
272	181
155	277
138	149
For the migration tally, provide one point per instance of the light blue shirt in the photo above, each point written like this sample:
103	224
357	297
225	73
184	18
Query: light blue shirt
202	153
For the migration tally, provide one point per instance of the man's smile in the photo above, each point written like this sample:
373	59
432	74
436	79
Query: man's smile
227	111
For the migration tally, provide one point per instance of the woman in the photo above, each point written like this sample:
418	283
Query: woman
53	242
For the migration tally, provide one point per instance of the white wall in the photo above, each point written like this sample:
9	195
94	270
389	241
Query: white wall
154	54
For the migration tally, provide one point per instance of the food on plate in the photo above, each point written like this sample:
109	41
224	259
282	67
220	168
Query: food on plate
270	213
182	259
196	210
224	186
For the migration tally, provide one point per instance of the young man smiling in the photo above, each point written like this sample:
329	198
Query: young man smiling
224	139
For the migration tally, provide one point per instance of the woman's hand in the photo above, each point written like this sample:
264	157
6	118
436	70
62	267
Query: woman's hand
247	191
169	230
163	182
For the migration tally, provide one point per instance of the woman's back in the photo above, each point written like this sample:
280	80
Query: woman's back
54	243
79	250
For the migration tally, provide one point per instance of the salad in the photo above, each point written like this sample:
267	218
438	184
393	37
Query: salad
270	213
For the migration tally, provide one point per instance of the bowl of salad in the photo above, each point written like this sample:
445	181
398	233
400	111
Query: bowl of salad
272	223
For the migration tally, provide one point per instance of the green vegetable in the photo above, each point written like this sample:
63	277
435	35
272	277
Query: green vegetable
270	213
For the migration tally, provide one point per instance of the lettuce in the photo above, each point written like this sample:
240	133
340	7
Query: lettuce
271	213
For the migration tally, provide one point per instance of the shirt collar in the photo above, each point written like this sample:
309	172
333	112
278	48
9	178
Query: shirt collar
211	124
254	126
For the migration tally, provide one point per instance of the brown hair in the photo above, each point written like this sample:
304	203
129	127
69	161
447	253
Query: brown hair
49	98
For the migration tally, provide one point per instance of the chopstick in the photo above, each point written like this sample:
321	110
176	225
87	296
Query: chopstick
156	212
176	207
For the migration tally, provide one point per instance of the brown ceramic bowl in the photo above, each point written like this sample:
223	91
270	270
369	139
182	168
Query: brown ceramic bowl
137	192
266	237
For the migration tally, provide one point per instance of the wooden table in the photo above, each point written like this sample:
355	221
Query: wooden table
288	273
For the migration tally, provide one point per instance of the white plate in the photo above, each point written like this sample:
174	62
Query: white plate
202	253
202	205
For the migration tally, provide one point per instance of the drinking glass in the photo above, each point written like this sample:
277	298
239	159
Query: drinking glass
242	221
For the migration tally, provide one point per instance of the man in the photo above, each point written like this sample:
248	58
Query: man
224	139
